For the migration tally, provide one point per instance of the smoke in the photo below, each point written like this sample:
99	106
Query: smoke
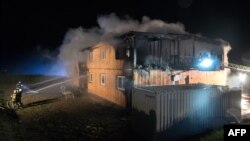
113	24
233	81
108	26
74	41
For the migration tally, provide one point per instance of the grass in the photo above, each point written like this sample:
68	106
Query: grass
1	102
85	118
217	135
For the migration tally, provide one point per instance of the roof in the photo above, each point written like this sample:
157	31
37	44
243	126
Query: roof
89	48
170	36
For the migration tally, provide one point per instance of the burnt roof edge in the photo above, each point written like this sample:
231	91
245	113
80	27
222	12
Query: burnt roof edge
180	36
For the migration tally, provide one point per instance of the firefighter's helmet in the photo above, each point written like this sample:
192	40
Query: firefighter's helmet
19	84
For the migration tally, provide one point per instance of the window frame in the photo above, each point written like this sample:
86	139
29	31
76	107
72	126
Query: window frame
102	75
123	82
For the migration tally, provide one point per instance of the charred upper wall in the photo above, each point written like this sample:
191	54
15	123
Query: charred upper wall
178	51
163	51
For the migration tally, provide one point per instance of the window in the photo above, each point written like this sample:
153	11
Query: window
120	83
81	67
103	54
90	56
120	52
90	77
103	79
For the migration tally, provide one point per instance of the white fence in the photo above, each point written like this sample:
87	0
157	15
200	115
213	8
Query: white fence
183	110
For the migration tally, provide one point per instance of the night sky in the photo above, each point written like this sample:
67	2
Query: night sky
32	28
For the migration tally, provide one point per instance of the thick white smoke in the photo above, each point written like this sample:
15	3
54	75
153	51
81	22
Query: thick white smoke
74	41
113	24
108	25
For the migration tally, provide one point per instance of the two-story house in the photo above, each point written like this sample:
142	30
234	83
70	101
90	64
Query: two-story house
146	59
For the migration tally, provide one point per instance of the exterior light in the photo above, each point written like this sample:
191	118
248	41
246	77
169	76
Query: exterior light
206	63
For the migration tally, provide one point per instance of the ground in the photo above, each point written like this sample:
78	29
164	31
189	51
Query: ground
85	118
47	115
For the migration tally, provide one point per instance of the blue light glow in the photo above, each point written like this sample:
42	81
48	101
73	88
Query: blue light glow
37	64
206	63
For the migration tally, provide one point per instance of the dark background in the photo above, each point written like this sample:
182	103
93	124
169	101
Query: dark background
30	28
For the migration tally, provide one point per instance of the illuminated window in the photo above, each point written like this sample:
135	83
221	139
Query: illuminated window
90	56
103	80
120	82
90	77
103	54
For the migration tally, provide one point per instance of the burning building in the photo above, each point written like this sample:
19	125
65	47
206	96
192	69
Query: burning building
151	59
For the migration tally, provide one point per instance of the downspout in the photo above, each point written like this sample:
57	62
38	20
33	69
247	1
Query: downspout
161	55
132	76
134	52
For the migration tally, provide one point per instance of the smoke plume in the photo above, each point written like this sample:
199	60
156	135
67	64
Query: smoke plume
74	41
109	25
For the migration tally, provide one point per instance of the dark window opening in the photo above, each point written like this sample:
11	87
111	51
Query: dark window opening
102	79
121	82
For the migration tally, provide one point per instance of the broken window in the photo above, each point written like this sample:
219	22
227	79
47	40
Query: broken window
120	51
149	52
81	66
103	80
120	82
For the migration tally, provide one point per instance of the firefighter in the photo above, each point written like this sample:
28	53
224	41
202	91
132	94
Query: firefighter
12	103
19	92
13	96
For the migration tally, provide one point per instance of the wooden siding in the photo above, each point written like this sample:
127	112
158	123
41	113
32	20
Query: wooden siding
158	77
111	68
108	91
109	63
